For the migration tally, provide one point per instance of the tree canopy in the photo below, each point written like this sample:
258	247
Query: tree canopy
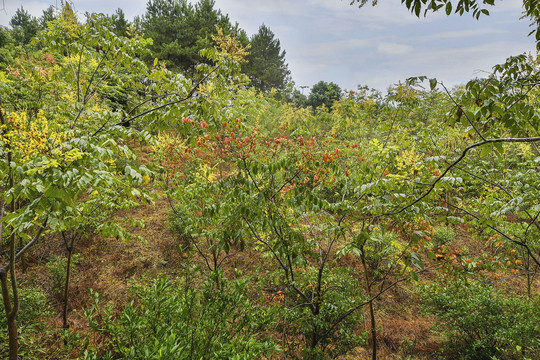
180	30
266	66
25	26
323	93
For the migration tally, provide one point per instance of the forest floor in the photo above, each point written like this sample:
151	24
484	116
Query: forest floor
108	266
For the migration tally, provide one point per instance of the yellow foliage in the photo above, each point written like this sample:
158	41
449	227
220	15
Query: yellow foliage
378	147
228	44
207	172
74	59
146	179
166	141
69	97
525	149
408	162
30	138
292	115
3	78
96	108
405	93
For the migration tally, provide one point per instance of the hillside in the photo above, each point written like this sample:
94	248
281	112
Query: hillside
153	213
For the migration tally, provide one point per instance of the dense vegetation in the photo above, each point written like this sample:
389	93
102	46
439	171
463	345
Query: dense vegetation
172	197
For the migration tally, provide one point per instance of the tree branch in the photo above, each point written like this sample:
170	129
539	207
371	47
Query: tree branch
457	161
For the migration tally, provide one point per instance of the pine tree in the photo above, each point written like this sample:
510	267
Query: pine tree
266	65
180	30
120	24
25	26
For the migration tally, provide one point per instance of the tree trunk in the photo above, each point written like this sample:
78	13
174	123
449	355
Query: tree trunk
11	309
10	316
373	331
529	279
66	290
23	262
21	244
371	309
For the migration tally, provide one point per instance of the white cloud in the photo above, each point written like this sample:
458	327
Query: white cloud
331	49
388	48
469	33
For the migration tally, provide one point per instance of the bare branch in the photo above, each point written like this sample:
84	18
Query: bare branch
33	241
500	232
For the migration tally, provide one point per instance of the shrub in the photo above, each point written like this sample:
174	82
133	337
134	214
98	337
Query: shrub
31	325
382	250
443	235
57	268
479	323
174	320
178	225
331	332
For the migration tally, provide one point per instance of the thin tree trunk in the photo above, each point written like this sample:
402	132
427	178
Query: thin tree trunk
10	316
69	242
373	331
21	244
66	289
529	279
11	309
371	309
23	262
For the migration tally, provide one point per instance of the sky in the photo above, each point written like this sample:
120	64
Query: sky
331	40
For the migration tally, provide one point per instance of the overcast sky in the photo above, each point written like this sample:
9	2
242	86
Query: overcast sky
376	46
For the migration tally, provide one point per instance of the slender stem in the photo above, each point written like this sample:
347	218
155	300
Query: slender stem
11	322
523	244
33	241
463	112
11	309
66	289
371	309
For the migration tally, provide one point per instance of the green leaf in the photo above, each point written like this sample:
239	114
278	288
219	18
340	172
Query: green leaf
485	151
432	83
417	8
499	147
448	8
417	261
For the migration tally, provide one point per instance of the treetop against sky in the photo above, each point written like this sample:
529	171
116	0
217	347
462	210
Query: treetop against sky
377	46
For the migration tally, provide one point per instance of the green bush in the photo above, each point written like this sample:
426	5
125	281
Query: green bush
31	325
174	320
479	323
381	252
57	269
333	331
443	235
